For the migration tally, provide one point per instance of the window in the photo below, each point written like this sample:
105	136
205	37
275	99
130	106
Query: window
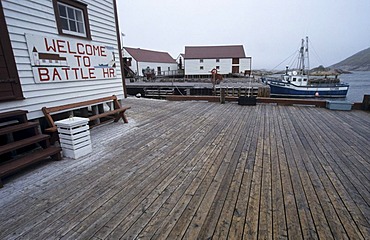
217	60
201	68
294	79
72	19
217	67
201	60
235	61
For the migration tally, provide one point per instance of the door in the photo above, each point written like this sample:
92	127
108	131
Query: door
10	87
235	69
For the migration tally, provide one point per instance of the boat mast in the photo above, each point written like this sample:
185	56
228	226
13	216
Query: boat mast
301	58
308	59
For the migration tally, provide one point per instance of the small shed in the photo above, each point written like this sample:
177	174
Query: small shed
200	60
136	60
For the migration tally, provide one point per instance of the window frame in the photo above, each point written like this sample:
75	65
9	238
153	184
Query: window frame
77	5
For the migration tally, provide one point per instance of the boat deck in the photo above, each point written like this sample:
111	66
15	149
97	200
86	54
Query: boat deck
197	170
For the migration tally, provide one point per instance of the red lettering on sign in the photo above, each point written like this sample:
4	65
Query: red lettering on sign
92	73
56	74
89	49
102	51
80	48
69	48
75	71
66	72
82	74
108	72
50	47
44	74
61	46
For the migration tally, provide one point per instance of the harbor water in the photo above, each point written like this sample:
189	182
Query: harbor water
359	85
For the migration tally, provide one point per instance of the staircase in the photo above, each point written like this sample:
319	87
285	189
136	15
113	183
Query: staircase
21	143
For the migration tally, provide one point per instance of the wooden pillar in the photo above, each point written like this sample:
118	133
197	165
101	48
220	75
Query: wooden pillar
222	96
366	102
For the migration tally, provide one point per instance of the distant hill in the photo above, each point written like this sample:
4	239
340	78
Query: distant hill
357	62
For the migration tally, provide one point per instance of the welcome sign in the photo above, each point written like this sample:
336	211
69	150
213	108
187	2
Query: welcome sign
54	59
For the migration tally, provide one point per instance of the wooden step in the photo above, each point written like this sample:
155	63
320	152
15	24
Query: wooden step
14	165
18	127
13	113
22	143
20	115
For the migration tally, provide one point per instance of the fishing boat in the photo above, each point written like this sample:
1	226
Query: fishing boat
298	82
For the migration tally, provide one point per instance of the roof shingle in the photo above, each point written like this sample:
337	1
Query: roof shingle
212	52
142	55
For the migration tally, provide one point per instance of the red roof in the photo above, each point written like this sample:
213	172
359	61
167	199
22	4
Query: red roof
142	55
214	52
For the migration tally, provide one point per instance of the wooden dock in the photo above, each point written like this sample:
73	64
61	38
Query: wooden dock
199	170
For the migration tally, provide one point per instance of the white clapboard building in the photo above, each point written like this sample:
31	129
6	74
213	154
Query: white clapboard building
138	59
56	52
200	60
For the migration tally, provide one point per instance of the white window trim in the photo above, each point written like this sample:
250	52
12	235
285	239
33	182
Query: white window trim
83	21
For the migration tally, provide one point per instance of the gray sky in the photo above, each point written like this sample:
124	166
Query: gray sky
269	30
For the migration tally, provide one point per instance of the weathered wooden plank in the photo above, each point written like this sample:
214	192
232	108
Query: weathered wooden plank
205	222
290	202
338	193
143	177
322	183
253	209
307	225
279	225
204	190
216	136
236	230
94	175
200	170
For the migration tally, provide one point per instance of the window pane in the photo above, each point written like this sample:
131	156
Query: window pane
72	19
64	23
72	25
71	13
62	10
80	27
79	16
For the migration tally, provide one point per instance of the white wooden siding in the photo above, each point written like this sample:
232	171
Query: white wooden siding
37	17
192	66
245	64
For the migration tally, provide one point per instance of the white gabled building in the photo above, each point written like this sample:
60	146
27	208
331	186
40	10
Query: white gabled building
49	57
200	60
138	59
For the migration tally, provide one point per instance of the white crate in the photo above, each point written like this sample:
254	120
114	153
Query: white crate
74	137
339	105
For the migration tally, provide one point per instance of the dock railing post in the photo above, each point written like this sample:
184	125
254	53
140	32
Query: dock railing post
222	96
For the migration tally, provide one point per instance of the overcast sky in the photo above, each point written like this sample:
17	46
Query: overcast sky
269	30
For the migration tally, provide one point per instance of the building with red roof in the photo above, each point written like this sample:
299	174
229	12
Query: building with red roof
200	60
137	60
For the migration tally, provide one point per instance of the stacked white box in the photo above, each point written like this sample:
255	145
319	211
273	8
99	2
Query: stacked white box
74	136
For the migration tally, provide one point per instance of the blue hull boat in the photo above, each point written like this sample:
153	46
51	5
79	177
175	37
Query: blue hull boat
298	83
